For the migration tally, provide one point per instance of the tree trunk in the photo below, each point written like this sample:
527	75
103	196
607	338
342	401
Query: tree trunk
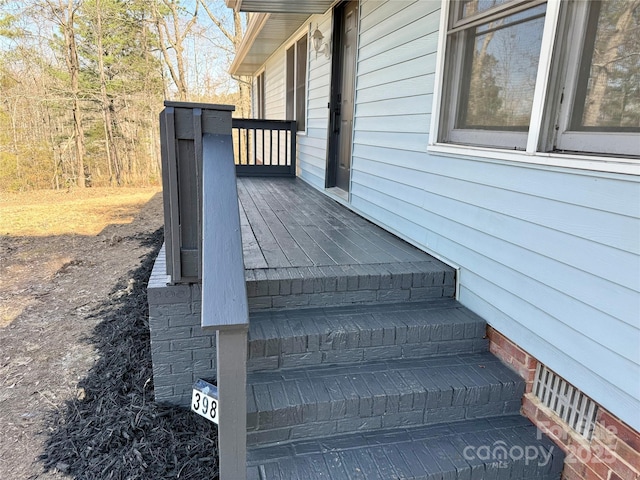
235	38
112	150
73	65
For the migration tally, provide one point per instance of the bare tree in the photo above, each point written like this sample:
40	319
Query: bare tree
167	17
234	38
64	15
113	160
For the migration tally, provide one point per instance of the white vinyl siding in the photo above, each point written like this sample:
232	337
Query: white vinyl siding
547	255
274	87
312	147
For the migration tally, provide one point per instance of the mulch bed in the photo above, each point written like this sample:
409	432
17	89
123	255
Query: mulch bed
114	429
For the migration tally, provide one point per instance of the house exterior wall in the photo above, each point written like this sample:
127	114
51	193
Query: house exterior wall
549	256
274	86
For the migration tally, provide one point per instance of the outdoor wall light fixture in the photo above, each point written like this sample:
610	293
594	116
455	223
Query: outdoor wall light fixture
319	45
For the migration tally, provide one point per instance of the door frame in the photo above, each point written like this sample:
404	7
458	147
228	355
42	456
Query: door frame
333	127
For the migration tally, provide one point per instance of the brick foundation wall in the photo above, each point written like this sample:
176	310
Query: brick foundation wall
180	350
519	360
613	453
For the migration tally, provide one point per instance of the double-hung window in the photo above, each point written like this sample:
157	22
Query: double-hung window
558	77
492	67
598	72
296	98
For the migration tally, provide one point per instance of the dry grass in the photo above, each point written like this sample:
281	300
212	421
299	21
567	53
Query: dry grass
60	212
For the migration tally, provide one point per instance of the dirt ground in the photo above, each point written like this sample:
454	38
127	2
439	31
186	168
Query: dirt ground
50	290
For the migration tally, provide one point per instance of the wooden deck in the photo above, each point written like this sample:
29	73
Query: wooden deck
286	223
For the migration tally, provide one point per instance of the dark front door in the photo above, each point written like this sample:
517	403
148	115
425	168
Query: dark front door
345	38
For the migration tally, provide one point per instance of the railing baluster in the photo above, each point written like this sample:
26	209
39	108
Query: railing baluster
241	161
246	144
265	156
256	132
262	150
287	138
293	149
270	146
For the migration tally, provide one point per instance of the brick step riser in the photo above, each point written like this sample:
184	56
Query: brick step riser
289	288
510	469
283	340
333	419
296	358
452	451
272	471
331	400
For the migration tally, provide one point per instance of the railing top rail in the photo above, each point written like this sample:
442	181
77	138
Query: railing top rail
224	294
212	106
263	123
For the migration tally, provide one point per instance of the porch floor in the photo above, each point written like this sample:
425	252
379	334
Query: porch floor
286	223
302	249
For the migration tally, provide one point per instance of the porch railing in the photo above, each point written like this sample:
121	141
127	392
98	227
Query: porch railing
203	244
224	300
264	147
260	148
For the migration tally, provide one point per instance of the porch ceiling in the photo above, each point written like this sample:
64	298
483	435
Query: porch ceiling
280	6
265	33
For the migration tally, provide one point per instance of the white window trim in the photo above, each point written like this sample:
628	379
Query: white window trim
531	155
293	40
263	72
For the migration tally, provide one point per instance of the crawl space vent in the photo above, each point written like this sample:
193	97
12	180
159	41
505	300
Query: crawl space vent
569	403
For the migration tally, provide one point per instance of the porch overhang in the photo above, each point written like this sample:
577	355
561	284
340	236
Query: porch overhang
280	6
265	33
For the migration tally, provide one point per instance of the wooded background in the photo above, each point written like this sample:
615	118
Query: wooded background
82	83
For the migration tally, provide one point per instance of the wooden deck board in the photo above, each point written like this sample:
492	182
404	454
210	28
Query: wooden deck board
309	220
296	256
343	227
333	229
286	223
271	251
297	224
251	251
343	218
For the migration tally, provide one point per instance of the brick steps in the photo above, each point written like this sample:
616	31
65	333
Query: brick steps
506	447
303	287
384	391
338	335
325	400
